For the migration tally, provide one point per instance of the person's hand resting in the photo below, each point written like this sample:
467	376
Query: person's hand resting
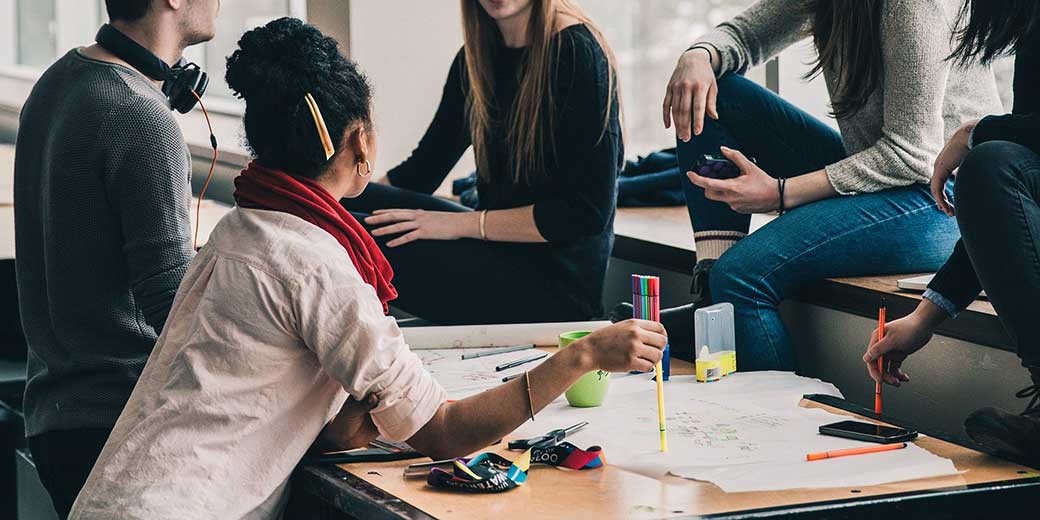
949	159
754	191
691	93
417	224
902	338
352	427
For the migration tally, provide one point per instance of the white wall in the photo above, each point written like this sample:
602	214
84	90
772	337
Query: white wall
809	96
407	59
8	40
77	23
406	47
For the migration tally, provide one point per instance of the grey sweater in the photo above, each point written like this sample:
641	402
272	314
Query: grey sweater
102	234
894	139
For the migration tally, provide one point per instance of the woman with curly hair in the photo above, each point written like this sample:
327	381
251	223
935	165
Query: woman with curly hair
278	335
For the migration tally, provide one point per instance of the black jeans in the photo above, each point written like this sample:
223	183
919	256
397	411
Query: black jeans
455	282
997	194
64	459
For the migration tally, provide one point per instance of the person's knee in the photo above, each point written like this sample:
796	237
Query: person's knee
734	89
731	278
988	169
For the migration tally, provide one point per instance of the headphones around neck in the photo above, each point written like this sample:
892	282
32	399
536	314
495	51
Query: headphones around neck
181	82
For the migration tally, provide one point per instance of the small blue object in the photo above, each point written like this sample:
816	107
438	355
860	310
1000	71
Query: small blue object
666	365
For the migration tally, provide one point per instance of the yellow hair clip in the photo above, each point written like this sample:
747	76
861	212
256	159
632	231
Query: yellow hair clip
319	122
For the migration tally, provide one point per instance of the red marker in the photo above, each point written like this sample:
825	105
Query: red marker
880	359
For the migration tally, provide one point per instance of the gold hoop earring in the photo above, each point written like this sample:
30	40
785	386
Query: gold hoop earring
368	167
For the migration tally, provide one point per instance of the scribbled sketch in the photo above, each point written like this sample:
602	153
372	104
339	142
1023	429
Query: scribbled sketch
463	378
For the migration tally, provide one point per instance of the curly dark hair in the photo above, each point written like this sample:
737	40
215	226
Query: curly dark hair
274	67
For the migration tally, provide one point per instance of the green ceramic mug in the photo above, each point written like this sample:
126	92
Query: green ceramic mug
591	388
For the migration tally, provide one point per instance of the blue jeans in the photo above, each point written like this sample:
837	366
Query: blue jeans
998	210
898	230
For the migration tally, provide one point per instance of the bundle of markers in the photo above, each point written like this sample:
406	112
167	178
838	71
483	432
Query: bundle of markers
646	300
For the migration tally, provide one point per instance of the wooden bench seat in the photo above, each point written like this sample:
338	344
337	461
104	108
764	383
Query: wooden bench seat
661	238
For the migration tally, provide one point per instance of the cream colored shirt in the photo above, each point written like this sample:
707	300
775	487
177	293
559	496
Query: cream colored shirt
271	329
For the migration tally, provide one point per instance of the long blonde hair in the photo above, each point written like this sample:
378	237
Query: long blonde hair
531	119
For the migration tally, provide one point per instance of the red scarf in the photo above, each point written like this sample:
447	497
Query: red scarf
259	187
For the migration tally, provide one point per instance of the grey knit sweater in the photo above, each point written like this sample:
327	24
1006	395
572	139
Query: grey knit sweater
102	234
894	139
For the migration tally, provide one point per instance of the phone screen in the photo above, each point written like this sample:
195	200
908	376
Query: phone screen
716	168
862	428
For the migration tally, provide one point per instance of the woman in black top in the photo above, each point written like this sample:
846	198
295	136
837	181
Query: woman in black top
533	91
997	195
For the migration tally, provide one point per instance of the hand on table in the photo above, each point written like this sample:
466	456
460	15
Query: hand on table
754	191
949	159
417	224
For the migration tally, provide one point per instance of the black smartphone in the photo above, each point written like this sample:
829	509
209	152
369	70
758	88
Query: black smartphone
715	167
862	431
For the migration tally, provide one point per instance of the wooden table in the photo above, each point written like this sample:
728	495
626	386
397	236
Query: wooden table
379	490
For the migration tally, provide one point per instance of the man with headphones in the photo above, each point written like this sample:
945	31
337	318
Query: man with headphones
103	236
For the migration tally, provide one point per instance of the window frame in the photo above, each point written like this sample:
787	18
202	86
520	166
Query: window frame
16	82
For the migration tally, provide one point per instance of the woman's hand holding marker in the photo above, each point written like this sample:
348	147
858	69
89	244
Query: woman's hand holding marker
626	346
903	337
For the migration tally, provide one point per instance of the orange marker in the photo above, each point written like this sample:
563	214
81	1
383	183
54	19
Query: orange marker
880	359
854	451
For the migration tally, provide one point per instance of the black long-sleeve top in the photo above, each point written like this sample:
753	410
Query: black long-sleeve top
574	203
957	281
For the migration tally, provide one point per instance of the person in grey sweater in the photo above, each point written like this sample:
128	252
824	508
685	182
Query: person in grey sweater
103	236
854	202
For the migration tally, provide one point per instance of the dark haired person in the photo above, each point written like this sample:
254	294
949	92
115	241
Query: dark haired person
102	195
855	201
282	316
533	91
997	189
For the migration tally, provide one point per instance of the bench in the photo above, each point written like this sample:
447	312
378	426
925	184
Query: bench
661	238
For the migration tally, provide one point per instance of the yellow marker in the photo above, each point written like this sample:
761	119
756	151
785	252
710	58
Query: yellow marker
658	372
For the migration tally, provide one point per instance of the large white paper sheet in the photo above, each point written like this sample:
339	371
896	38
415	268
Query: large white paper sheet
744	433
462	378
910	463
470	336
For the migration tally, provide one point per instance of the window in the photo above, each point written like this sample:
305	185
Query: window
648	38
237	17
44	30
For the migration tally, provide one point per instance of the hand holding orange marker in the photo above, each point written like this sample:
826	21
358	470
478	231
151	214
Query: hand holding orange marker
880	360
854	451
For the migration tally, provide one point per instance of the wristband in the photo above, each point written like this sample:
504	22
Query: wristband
781	183
483	225
704	48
